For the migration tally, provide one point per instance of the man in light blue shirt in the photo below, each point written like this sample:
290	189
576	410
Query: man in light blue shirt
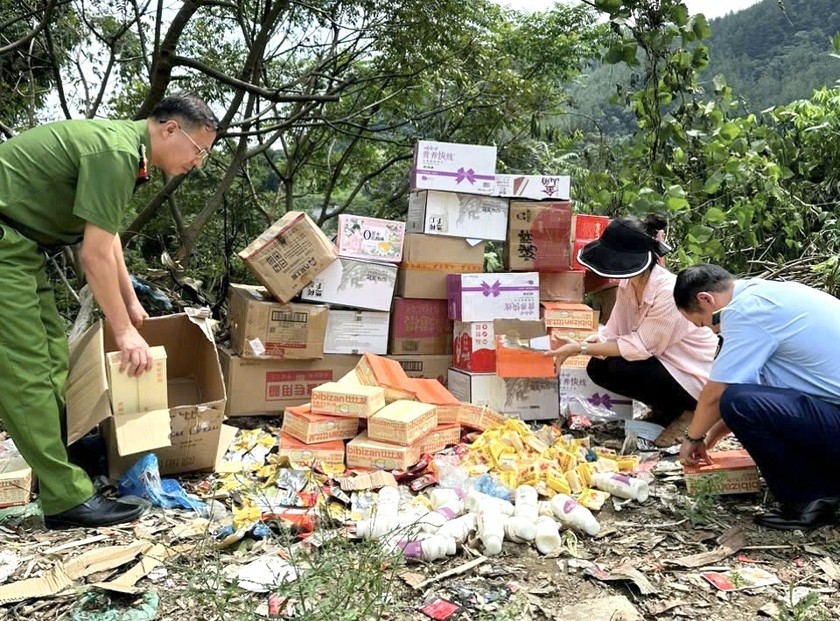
775	384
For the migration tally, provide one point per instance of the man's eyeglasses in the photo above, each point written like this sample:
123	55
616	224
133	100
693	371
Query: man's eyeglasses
200	152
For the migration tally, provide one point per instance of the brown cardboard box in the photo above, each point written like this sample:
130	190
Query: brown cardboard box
341	399
196	395
427	259
289	254
575	316
265	387
562	286
427	367
300	423
402	422
539	236
327	452
15	482
362	452
145	393
479	417
603	302
419	327
736	471
439	438
263	328
356	332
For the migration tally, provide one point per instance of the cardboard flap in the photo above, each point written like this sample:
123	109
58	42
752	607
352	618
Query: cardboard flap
201	318
142	431
88	403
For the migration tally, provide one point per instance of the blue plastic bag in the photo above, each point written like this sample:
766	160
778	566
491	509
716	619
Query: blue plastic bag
143	480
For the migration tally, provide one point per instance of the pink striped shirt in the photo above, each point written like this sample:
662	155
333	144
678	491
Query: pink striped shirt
656	328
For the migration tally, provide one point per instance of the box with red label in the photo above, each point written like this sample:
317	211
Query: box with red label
432	391
474	346
326	452
439	438
539	237
588	227
419	327
362	452
299	422
498	295
265	387
559	336
562	286
569	316
534	187
342	399
402	422
15	480
453	167
731	472
426	367
370	238
261	327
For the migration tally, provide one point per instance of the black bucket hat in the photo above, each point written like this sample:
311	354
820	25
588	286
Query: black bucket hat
621	252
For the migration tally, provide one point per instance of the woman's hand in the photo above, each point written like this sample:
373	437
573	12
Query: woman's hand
568	349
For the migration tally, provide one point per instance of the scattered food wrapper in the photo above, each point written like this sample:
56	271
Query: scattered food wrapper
9	562
439	609
740	579
265	573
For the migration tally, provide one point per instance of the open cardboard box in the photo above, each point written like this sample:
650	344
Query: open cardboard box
185	437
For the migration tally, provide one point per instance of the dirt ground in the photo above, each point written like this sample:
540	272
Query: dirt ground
646	551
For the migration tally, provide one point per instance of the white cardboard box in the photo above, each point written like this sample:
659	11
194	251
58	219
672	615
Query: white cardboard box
357	332
535	187
457	215
372	239
485	297
577	391
524	398
454	167
354	283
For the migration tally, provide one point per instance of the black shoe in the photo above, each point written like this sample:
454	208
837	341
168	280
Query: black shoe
96	511
792	516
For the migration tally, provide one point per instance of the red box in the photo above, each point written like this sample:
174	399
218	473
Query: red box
592	283
420	327
589	227
539	236
474	346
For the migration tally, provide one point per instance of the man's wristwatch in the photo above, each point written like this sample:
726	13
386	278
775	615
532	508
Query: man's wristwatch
694	440
583	345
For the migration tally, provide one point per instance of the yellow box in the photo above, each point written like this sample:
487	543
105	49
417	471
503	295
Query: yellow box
402	422
362	452
340	399
299	422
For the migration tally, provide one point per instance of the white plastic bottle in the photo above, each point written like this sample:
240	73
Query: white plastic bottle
460	528
547	537
433	520
621	485
519	529
572	515
544	508
476	501
440	496
429	549
384	517
490	531
525	505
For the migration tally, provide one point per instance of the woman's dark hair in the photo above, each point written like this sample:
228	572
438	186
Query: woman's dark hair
698	278
191	109
651	226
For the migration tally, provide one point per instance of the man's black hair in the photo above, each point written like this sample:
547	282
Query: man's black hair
693	280
189	108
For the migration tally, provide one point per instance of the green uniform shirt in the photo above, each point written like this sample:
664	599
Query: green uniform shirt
57	177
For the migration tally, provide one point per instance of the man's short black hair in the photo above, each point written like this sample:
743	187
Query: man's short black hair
189	108
693	280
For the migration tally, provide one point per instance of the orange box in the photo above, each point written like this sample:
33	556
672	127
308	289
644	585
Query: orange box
513	359
575	316
388	374
355	401
402	422
559	335
300	423
432	391
736	470
295	450
362	452
440	437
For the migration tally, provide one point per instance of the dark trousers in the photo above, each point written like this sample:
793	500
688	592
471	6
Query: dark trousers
794	439
647	381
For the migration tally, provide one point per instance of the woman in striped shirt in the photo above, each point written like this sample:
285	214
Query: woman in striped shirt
647	351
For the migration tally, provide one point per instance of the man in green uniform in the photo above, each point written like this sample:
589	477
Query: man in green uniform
63	183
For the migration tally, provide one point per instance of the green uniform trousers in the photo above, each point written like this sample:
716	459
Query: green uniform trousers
33	372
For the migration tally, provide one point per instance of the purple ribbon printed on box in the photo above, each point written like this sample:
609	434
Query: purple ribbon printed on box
462	174
497	288
607	401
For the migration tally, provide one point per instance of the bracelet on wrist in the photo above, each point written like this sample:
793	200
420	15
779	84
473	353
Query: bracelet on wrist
694	440
582	347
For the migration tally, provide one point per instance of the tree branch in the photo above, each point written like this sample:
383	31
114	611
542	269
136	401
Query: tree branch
45	19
